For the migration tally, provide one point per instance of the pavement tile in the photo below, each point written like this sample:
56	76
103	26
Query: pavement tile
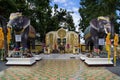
71	69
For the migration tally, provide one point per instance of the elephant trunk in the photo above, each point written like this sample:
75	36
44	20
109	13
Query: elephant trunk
112	31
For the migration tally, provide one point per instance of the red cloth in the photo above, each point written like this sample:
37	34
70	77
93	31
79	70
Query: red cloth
68	45
96	50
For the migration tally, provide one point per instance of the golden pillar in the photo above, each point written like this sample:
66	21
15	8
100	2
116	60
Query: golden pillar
116	39
62	34
108	46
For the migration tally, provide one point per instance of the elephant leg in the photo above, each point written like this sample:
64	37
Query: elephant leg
17	45
28	44
96	45
24	41
87	45
33	43
91	46
100	48
24	44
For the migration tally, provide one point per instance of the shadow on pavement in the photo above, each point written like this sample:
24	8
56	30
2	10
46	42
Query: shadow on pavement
115	69
3	65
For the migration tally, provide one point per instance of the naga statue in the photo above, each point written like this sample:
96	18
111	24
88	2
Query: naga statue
97	30
24	33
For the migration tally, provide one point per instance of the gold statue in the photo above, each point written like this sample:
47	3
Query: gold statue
108	46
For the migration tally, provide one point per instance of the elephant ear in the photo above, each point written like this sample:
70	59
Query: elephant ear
14	15
26	22
10	23
31	32
94	23
12	18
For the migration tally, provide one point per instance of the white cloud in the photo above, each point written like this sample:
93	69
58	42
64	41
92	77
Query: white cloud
60	1
75	9
76	18
66	4
53	12
71	3
70	6
57	9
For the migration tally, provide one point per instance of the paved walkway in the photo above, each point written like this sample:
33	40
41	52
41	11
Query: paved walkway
70	69
115	69
2	65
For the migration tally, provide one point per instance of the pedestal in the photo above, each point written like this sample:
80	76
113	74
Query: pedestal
98	61
37	57
20	61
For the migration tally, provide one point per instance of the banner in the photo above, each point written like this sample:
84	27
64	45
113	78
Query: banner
101	41
18	38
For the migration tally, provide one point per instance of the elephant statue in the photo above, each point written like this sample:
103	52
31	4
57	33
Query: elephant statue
97	30
24	33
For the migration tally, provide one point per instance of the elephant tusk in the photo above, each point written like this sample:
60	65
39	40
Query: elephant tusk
105	31
94	26
26	25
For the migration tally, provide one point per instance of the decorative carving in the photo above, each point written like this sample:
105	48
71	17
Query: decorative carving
61	33
47	39
51	38
62	40
76	40
72	39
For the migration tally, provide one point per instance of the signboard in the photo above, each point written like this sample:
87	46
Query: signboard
101	41
18	38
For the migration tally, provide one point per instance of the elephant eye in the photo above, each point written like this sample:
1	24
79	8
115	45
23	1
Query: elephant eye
14	24
104	22
20	21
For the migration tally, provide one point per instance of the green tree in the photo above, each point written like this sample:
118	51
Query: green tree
69	21
62	16
6	7
40	14
94	8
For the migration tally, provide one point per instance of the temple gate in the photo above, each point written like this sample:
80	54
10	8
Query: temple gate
62	41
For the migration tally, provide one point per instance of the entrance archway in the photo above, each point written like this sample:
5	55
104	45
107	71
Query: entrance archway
62	41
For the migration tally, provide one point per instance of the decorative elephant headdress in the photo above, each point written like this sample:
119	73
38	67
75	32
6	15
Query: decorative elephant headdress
15	15
103	18
106	23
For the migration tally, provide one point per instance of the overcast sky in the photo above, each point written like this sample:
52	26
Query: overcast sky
69	5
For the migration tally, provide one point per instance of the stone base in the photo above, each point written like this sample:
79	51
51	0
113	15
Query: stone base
83	57
37	57
98	61
20	61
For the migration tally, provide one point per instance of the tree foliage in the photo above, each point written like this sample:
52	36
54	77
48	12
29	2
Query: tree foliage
94	8
40	14
6	7
62	16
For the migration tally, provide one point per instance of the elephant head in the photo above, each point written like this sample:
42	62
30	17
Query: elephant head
18	22
101	25
104	24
